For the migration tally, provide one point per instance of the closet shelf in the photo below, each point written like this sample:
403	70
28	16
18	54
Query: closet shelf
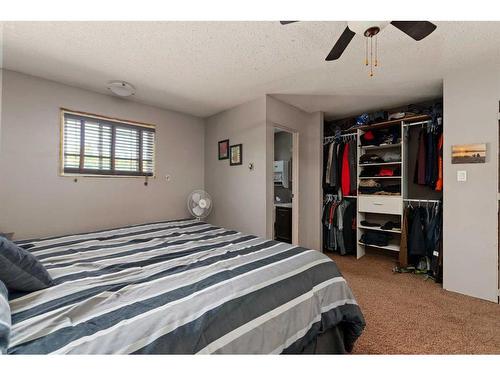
390	123
381	195
380	147
380	229
391	247
379	164
350	196
376	177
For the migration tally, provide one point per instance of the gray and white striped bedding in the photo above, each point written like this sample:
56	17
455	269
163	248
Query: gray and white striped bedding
180	287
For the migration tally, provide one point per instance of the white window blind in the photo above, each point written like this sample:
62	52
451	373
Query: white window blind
92	145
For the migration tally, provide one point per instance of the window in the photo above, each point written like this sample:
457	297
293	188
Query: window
94	145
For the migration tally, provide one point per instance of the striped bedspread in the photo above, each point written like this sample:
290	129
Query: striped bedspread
180	287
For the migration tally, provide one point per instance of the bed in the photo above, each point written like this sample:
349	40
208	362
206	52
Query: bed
183	287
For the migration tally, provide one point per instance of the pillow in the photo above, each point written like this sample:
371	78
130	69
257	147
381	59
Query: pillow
5	321
20	270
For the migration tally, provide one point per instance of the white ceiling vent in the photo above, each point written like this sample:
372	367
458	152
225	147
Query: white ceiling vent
121	88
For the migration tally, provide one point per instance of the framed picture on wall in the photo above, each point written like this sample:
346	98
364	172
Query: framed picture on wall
224	149
468	154
236	154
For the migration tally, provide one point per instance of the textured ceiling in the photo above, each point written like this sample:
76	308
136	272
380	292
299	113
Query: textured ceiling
202	68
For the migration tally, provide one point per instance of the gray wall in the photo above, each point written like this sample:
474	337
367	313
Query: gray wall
310	130
239	193
36	201
244	199
471	100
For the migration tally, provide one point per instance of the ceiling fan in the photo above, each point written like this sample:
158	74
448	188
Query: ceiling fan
417	30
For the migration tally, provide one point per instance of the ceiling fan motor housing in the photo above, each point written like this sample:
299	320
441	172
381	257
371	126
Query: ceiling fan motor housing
367	28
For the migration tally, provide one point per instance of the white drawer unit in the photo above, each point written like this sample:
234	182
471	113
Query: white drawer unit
380	204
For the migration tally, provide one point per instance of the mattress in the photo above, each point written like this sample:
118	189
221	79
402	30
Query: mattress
180	287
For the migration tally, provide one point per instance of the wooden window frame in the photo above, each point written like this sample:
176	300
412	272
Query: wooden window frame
113	122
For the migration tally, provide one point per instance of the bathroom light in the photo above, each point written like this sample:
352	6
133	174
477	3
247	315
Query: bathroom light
121	88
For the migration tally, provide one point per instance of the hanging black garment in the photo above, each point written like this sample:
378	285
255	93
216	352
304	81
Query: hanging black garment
428	158
348	230
419	176
435	160
326	149
327	168
434	240
416	241
334	173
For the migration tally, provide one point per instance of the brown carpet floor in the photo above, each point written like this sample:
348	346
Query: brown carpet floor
406	314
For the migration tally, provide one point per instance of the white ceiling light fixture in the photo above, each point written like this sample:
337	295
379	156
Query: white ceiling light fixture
121	88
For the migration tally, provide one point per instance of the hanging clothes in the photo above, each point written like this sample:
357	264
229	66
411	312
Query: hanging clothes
345	178
403	247
439	182
328	165
349	228
353	166
339	230
339	168
419	177
416	240
428	165
421	241
430	158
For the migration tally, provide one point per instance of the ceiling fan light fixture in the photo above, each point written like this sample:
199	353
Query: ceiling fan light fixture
121	88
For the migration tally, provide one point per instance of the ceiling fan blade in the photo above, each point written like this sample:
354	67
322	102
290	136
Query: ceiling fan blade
418	30
341	44
287	22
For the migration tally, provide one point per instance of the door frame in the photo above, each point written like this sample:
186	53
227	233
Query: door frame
295	180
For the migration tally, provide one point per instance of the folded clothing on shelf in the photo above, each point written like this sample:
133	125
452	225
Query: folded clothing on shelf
369	183
370	158
381	137
391	157
368	224
381	190
368	171
390	225
369	189
374	171
375	238
385	172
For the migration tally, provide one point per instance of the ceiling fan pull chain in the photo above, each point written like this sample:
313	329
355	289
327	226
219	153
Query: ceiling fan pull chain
366	51
376	50
371	56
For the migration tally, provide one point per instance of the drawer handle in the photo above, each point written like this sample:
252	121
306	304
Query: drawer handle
378	203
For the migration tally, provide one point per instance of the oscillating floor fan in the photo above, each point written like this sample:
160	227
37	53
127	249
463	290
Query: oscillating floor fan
199	204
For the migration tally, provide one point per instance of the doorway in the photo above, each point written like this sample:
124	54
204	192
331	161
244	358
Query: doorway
285	186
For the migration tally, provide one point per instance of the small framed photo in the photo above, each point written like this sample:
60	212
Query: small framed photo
224	149
236	154
468	154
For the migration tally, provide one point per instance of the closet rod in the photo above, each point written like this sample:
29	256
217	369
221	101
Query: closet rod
423	200
333	137
427	122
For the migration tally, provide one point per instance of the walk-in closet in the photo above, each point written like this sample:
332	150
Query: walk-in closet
383	186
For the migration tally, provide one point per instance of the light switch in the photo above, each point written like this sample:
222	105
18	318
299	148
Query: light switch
461	176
